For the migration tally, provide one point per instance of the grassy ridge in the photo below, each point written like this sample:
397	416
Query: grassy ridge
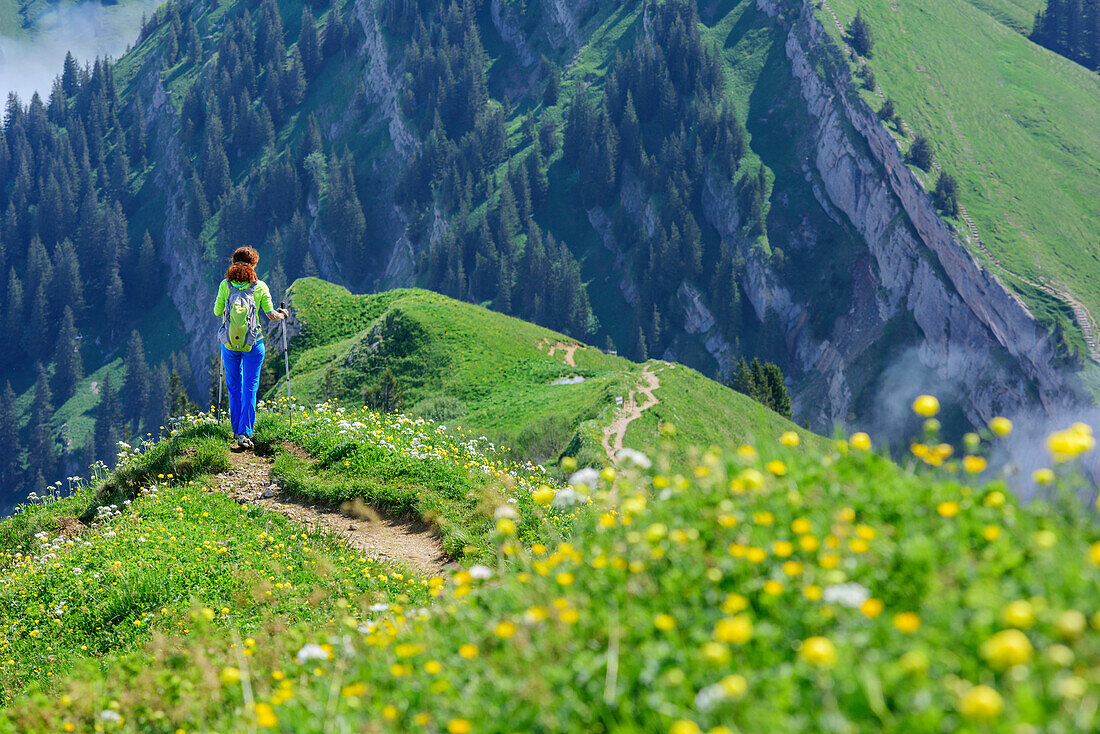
1013	122
463	364
837	586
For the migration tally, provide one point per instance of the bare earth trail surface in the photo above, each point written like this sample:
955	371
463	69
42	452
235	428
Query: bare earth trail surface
361	528
630	411
568	351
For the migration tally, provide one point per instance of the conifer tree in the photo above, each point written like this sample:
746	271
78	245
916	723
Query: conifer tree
42	450
859	35
68	364
136	388
11	457
108	422
156	409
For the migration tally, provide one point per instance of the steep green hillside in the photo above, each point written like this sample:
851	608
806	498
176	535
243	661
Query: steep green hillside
840	588
1011	122
465	365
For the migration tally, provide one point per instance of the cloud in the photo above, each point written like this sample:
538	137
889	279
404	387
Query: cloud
30	62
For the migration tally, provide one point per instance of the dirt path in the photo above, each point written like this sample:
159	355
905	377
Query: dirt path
631	410
568	351
360	527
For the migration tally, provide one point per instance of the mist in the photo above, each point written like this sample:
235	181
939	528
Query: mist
31	61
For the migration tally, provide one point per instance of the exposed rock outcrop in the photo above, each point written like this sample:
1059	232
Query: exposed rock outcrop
974	334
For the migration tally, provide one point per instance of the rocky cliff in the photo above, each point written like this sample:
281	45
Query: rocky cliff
972	335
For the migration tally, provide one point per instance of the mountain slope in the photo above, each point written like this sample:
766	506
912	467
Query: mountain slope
465	365
1010	120
694	182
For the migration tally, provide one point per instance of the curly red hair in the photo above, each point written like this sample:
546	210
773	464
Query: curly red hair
242	269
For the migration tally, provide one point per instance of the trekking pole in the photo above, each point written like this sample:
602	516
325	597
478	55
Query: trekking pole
286	364
221	380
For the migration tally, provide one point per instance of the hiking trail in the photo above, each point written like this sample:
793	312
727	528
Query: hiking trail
630	411
1081	314
568	351
361	527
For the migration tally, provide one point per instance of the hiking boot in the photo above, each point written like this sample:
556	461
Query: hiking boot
244	441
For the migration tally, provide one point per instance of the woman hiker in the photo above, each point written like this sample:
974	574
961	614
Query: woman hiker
239	295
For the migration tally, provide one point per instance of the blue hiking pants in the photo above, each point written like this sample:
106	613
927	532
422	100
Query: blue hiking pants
242	377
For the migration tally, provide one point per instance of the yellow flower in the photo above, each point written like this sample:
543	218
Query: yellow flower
949	508
991	532
565	578
926	406
736	630
860	441
996	498
1070	443
818	651
734	603
776	467
506	526
504	630
907	622
1019	614
459	726
1007	648
752	478
716	653
773	588
230	676
808	543
1070	624
872	607
782	548
684	726
664	622
974	464
734	685
468	651
812	592
1000	426
792	568
1094	553
789	439
1042	476
353	690
265	716
544	495
981	703
1045	539
801	526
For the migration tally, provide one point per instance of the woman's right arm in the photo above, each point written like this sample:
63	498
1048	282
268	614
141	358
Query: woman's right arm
219	302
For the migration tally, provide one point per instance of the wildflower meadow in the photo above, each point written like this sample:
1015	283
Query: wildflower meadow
772	587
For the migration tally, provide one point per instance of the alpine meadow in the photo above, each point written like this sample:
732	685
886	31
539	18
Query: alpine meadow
674	366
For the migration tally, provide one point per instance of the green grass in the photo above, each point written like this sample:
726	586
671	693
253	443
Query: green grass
407	467
495	374
150	564
1014	123
680	604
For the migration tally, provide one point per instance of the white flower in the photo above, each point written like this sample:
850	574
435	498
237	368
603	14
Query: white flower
505	511
850	594
77	570
479	571
311	652
635	457
109	715
379	607
588	476
707	697
566	498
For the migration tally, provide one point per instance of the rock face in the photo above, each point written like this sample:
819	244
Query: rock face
972	336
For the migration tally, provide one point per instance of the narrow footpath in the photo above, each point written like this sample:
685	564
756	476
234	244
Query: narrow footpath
356	524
